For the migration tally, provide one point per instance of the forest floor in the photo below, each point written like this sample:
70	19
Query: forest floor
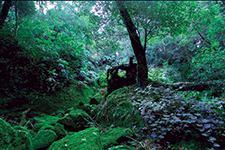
129	118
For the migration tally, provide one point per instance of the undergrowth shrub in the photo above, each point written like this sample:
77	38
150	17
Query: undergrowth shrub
207	65
172	118
22	72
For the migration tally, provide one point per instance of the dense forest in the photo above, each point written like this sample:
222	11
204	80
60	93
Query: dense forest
94	75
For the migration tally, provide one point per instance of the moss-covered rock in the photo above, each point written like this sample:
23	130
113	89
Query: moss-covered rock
45	123
88	139
43	139
22	139
75	120
59	130
14	138
114	136
47	119
6	134
51	125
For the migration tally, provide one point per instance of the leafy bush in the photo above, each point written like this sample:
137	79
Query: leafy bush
211	66
22	72
172	118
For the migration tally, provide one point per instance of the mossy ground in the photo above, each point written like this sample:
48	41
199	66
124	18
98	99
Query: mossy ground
66	120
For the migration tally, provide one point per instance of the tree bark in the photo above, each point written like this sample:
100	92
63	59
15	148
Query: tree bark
4	12
136	45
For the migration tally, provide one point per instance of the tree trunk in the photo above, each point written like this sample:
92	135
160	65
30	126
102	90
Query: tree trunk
136	45
4	12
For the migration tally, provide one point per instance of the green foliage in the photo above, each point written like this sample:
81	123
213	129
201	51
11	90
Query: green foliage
209	67
26	8
171	50
102	79
166	74
174	118
41	56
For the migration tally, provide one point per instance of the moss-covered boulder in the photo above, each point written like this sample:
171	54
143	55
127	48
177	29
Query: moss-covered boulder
49	123
115	136
14	138
45	123
43	139
22	140
75	120
88	139
47	119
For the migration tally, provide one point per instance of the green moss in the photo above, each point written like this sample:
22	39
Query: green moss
14	138
6	134
90	139
47	119
22	140
112	136
43	139
59	129
75	120
46	122
83	140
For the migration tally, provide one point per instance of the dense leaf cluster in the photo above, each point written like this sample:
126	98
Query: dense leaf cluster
174	118
23	73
